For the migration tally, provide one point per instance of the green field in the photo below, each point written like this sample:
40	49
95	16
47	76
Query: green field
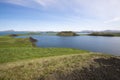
8	42
20	61
14	54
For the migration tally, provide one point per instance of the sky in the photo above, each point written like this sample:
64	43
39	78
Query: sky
59	15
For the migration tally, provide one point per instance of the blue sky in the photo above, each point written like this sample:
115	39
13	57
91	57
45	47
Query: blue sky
59	15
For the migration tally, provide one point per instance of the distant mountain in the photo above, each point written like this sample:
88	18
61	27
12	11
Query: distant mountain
87	31
112	31
106	31
8	31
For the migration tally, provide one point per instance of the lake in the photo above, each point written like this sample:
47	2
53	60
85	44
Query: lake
109	45
12	32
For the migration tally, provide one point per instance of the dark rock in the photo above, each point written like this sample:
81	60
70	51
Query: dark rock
32	39
13	35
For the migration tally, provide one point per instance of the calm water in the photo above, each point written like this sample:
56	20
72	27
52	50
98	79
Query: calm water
12	32
110	45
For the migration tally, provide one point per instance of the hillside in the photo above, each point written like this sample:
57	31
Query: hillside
67	33
7	42
82	66
24	62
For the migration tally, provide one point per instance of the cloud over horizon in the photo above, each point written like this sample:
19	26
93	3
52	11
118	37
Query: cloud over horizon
91	12
113	20
98	8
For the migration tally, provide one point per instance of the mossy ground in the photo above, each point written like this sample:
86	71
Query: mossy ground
8	42
20	61
87	66
14	54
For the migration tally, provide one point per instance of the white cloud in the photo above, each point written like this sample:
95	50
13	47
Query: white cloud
45	3
31	3
18	2
100	9
113	20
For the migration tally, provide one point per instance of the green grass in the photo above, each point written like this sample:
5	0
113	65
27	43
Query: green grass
20	61
7	42
14	54
87	66
67	33
13	49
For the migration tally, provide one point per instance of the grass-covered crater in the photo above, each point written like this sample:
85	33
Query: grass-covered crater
67	33
19	60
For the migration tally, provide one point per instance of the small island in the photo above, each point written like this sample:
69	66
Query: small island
67	33
104	34
13	35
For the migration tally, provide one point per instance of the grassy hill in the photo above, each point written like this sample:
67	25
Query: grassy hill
67	33
15	54
7	42
20	61
82	66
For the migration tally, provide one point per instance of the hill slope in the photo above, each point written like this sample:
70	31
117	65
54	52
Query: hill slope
86	66
20	61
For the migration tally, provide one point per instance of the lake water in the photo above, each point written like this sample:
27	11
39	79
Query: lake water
12	32
110	45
